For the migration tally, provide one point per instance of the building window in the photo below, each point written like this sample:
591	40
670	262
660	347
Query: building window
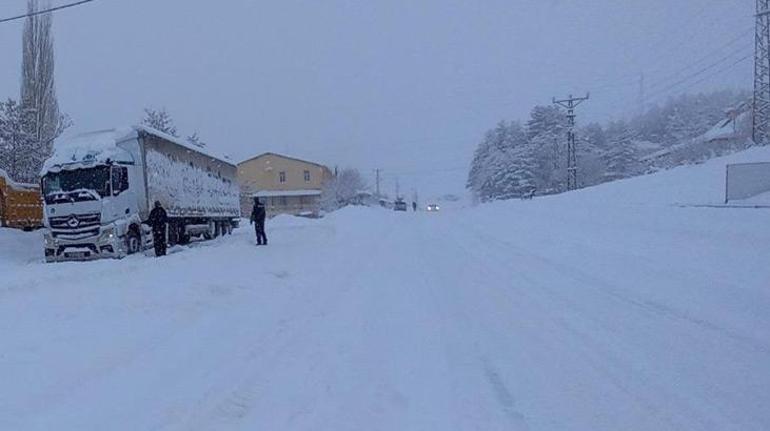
284	201
307	176
282	176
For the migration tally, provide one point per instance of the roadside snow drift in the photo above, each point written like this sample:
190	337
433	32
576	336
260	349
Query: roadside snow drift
618	307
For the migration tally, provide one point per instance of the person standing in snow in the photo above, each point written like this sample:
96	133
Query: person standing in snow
158	221
258	220
414	206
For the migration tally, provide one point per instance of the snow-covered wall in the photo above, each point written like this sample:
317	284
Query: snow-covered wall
745	180
186	190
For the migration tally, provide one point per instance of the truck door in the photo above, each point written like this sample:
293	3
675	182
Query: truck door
121	203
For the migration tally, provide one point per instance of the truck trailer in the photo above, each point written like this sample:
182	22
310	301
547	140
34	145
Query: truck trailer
21	205
99	188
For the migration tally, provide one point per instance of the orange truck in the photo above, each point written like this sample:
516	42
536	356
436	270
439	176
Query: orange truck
21	205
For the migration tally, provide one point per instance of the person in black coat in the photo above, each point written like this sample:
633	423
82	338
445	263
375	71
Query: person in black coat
258	214
158	221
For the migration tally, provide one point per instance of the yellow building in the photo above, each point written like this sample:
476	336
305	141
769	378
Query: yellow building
284	184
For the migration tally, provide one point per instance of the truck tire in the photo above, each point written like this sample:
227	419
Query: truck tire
133	242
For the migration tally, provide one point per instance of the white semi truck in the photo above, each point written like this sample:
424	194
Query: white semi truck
99	188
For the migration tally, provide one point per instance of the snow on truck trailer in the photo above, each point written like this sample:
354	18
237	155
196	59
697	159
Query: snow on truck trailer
99	188
20	204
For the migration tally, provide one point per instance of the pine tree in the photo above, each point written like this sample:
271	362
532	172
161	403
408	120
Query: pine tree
503	166
546	130
621	159
677	128
159	120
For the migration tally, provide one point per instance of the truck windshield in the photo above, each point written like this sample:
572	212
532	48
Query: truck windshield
96	179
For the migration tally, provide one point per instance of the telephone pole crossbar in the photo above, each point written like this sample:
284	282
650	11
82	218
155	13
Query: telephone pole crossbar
570	104
761	129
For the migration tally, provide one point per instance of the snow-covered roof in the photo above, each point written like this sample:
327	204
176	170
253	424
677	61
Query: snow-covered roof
206	151
101	146
725	128
277	193
93	147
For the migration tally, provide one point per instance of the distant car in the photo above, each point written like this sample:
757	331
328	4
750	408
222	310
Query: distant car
433	208
399	206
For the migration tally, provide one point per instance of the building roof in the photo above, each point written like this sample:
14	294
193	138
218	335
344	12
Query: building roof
285	157
278	193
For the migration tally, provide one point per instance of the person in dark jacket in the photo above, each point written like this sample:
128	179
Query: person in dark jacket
258	220
414	206
158	221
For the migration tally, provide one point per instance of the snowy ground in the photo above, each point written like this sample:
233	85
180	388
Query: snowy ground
613	308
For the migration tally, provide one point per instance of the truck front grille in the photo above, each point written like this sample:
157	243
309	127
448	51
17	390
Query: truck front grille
76	226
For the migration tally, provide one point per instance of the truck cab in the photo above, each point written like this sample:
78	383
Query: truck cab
91	211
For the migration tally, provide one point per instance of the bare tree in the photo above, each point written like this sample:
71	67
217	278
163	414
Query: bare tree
38	88
15	141
343	189
194	139
160	120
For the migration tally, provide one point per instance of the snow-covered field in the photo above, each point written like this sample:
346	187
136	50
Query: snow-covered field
619	307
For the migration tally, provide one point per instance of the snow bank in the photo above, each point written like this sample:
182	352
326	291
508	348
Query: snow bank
702	184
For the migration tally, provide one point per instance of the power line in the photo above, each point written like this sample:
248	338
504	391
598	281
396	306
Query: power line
696	74
663	45
703	59
40	12
661	83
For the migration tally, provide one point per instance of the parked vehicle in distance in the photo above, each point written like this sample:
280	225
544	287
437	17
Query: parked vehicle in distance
433	208
98	190
399	205
21	205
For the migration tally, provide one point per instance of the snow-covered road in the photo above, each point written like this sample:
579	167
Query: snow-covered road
540	315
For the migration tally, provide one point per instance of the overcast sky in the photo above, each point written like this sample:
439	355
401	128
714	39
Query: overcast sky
406	85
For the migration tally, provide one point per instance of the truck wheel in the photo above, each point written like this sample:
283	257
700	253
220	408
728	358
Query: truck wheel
210	233
133	242
184	237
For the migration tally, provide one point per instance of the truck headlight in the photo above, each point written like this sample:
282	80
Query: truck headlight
107	235
49	240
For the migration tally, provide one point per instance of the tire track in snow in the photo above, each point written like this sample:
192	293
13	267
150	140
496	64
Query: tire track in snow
652	393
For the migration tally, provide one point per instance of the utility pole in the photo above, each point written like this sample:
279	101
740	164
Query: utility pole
761	129
398	189
642	95
570	104
377	171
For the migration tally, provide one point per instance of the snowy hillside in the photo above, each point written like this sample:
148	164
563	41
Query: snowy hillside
702	184
617	307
